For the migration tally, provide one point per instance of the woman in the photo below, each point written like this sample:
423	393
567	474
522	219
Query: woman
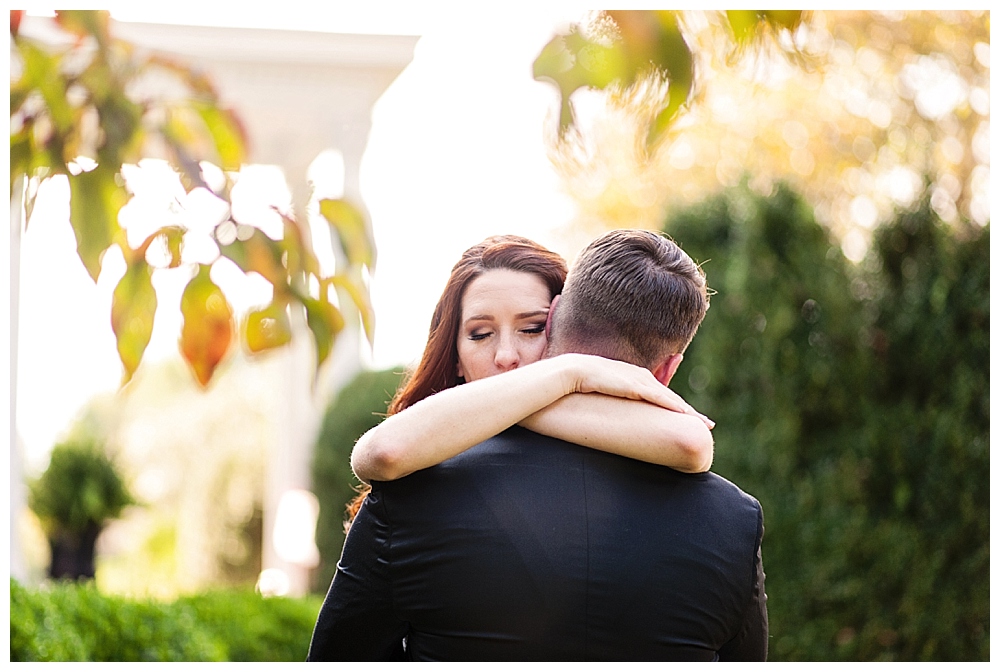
491	320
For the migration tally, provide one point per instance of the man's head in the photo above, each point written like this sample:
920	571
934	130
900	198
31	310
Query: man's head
631	295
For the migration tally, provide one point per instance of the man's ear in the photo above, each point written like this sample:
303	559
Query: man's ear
667	368
552	310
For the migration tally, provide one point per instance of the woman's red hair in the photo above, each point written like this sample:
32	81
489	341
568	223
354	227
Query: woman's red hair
438	367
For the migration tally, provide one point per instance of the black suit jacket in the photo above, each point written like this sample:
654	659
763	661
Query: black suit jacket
531	548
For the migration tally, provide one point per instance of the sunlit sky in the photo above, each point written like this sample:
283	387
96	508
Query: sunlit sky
455	154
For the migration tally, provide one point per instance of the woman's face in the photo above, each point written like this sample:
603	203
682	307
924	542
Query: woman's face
502	324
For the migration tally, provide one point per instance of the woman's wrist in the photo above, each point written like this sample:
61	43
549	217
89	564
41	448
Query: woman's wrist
570	369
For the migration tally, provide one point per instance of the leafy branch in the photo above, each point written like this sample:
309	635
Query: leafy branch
83	111
628	48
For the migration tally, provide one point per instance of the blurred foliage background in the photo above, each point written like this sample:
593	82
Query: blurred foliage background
853	402
858	110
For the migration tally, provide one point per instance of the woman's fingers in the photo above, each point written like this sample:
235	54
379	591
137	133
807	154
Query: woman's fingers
621	379
670	400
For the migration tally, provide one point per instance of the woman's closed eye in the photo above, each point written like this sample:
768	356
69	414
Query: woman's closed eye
534	329
479	335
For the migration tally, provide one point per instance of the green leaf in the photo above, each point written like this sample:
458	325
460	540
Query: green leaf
95	200
20	158
654	46
173	241
352	231
133	307
595	65
258	254
748	25
743	23
571	61
86	22
298	247
227	134
554	60
325	322
358	294
173	236
120	120
208	326
267	328
673	56
41	73
554	63
649	42
19	93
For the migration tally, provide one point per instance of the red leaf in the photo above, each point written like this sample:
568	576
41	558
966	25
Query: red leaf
208	326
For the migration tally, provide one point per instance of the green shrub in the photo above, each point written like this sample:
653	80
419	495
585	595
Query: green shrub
80	487
359	406
853	401
254	628
74	622
39	630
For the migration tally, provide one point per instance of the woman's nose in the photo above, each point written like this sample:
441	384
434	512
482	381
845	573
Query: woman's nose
507	356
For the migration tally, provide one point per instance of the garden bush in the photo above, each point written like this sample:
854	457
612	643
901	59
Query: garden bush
254	628
67	621
358	407
853	401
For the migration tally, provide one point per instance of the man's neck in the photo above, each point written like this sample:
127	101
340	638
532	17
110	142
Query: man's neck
601	349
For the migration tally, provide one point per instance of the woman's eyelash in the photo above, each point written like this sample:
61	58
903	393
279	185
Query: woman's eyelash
478	336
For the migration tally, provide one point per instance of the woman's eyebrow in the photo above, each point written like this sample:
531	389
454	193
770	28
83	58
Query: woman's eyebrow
520	316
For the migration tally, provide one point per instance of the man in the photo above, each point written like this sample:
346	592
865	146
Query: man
530	548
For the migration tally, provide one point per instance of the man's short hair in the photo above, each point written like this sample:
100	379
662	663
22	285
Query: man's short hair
632	295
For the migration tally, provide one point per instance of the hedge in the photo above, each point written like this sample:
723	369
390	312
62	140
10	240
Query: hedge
67	621
853	401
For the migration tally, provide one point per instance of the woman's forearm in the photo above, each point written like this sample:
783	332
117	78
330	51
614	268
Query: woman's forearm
634	429
449	422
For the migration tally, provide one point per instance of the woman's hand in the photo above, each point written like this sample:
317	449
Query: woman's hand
591	373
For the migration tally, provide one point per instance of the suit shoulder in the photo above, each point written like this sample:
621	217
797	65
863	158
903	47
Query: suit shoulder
511	444
729	489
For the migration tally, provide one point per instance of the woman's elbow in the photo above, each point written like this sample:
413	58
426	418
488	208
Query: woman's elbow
374	462
698	453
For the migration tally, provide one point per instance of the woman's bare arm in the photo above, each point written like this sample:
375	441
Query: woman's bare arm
635	429
452	421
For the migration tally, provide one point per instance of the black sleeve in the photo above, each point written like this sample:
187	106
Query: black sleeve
356	621
750	644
